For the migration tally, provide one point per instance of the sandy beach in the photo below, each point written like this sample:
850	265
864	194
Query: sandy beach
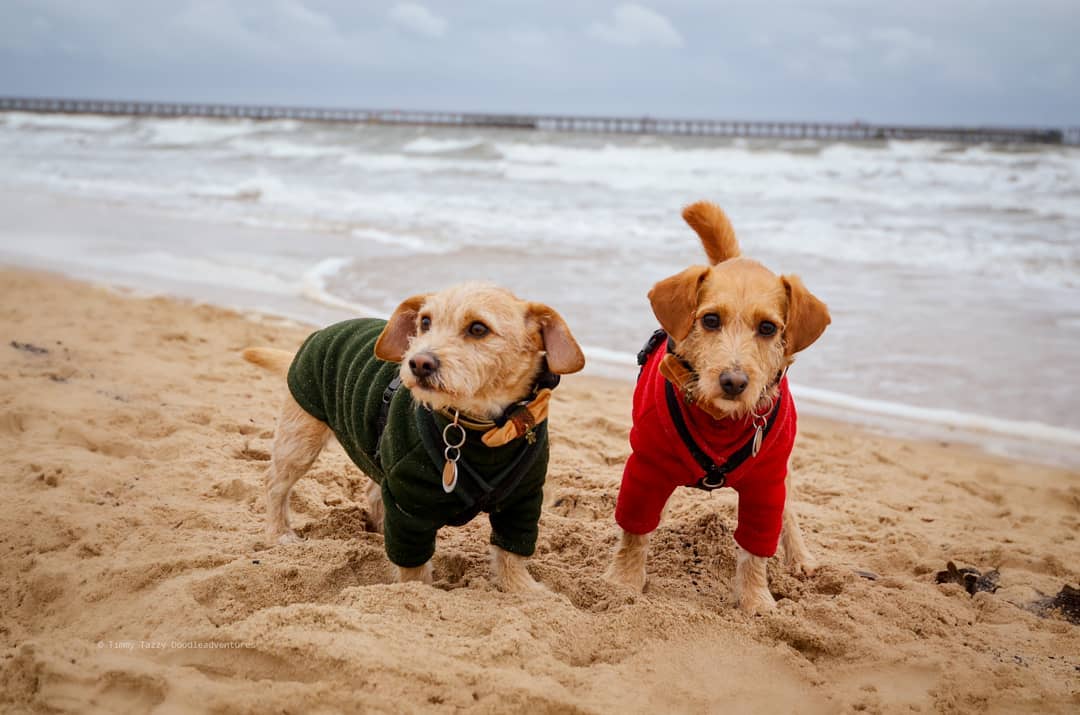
135	576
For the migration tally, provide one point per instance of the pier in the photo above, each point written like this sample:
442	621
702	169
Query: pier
854	131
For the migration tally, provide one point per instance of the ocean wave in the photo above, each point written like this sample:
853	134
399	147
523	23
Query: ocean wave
473	148
413	243
77	122
165	133
315	287
276	148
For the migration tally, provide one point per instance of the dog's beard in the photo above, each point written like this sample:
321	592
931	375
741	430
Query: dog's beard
733	409
753	400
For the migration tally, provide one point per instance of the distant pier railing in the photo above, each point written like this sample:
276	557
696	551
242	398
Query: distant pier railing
855	131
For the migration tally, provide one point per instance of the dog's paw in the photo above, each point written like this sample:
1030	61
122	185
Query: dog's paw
803	564
632	578
510	573
756	602
289	537
423	574
522	583
628	564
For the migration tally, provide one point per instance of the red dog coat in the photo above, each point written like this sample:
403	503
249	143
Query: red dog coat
661	461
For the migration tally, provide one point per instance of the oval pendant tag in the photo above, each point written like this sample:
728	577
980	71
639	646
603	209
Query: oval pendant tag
758	435
449	476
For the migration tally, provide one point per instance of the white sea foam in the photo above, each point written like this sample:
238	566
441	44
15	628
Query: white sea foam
283	148
76	122
953	419
186	132
615	358
314	287
431	145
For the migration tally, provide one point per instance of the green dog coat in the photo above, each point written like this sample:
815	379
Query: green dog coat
336	378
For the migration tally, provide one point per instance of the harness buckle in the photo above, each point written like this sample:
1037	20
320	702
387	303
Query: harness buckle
651	345
721	477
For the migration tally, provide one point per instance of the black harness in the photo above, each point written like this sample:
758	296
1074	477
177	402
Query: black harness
476	492
715	475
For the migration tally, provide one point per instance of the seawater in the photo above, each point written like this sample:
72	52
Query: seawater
952	271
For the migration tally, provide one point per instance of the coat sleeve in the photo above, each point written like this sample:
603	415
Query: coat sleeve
515	524
409	540
649	477
761	512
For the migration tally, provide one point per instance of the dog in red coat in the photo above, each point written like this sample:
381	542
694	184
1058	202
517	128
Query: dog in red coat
712	406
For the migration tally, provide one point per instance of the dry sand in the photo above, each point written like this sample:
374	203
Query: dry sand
134	451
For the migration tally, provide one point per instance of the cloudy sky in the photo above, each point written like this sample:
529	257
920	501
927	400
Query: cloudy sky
924	61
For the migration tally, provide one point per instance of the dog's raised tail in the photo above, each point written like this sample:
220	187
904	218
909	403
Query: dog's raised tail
270	359
714	228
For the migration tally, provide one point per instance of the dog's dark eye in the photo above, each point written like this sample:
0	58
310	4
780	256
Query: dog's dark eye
766	328
710	321
478	329
425	324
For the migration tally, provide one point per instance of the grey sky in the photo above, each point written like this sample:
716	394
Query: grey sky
919	61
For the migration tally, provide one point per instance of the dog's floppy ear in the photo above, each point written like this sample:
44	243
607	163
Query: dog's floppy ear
675	298
807	317
394	339
713	227
564	355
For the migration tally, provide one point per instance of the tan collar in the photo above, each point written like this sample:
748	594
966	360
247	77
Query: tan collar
520	421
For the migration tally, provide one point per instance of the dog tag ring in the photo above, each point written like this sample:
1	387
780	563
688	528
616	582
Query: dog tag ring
759	433
452	453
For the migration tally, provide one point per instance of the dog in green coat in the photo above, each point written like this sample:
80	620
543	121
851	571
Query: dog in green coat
466	432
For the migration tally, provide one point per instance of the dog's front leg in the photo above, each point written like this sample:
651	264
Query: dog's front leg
510	572
376	509
628	566
797	558
752	584
415	573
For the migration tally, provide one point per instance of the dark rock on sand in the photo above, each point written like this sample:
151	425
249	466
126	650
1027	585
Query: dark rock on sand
971	579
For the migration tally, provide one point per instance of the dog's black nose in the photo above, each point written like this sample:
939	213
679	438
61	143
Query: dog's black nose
733	382
423	364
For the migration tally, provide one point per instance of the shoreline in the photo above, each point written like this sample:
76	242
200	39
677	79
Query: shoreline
138	440
966	444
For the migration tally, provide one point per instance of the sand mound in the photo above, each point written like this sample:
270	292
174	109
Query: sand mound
135	574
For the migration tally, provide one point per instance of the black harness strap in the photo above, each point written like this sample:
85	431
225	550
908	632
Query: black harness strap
650	346
384	413
715	475
476	492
